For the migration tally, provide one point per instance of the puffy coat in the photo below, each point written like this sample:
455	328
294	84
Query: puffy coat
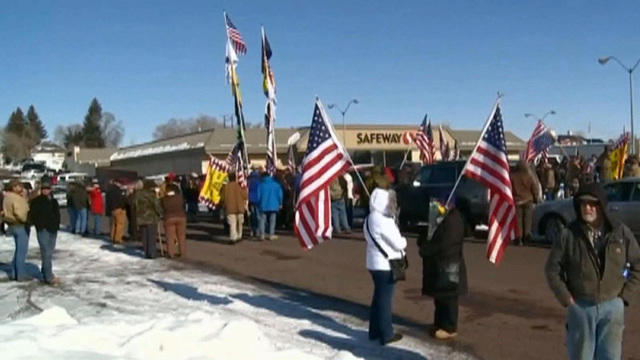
96	201
115	198
443	268
269	195
253	183
381	225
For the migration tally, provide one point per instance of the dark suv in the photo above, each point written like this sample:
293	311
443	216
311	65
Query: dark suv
436	182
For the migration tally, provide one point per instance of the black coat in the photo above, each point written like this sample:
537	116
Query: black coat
115	199
44	213
443	269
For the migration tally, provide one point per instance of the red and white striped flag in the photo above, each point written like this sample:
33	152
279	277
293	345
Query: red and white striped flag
541	139
324	160
234	36
488	165
424	142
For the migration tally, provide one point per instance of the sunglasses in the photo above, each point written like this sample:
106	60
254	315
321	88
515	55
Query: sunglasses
591	203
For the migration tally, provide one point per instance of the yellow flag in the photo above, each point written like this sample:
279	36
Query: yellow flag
617	158
216	177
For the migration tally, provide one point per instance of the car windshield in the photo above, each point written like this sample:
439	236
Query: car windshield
437	175
619	191
36	167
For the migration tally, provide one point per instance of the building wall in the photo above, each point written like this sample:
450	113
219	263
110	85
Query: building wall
179	162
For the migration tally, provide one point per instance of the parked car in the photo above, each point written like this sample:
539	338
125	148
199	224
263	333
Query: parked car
33	170
66	178
623	197
60	194
436	182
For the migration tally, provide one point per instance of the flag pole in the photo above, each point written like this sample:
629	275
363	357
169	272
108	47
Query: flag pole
484	130
404	159
344	150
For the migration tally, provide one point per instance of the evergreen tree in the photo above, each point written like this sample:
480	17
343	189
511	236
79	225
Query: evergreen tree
17	123
36	124
91	130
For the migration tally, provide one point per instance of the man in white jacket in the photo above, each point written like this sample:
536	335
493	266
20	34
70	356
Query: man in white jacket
381	227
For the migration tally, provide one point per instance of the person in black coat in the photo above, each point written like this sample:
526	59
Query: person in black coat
44	213
444	274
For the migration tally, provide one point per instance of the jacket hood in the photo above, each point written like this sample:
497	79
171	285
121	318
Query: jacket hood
379	201
595	191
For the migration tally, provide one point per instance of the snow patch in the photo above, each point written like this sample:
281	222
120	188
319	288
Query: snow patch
126	154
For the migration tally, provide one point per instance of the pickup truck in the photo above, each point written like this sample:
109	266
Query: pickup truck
436	182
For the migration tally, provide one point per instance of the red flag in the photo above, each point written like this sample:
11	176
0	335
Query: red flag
488	165
324	160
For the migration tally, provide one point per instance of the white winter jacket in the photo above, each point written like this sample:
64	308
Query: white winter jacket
382	226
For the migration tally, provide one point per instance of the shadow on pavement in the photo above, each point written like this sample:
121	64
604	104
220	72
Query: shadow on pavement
356	341
190	292
362	347
33	271
124	249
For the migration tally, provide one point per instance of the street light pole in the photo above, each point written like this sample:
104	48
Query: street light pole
344	112
630	70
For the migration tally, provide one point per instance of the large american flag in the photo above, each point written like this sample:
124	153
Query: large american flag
324	160
540	141
424	142
489	166
234	36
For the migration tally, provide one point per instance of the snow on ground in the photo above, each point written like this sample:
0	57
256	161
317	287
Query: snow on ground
113	304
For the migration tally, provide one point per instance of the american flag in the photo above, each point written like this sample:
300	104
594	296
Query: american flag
541	140
424	142
445	153
234	35
235	162
324	161
489	166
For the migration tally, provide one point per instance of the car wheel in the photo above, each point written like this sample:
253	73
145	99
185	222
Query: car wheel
553	228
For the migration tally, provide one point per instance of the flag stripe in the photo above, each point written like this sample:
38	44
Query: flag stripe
324	161
489	166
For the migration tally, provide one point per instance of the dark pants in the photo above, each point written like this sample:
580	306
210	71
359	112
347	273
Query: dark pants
380	327
47	242
149	237
524	217
445	316
73	217
18	264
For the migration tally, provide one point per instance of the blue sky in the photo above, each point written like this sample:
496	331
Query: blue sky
149	61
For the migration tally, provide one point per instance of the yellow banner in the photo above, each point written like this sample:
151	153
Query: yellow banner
617	158
216	177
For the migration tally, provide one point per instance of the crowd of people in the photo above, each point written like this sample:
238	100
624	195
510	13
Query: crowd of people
593	268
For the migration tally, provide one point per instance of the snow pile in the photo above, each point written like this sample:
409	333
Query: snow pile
113	304
160	149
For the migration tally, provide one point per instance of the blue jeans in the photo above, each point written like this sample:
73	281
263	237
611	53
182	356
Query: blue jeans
380	327
73	218
47	242
339	216
594	331
97	224
254	218
272	222
21	239
81	221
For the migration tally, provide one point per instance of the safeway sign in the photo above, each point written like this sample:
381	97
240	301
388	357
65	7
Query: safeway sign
384	137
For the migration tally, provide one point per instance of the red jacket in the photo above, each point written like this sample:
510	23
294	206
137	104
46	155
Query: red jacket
95	198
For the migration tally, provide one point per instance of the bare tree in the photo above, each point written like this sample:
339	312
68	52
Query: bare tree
177	127
68	136
112	130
